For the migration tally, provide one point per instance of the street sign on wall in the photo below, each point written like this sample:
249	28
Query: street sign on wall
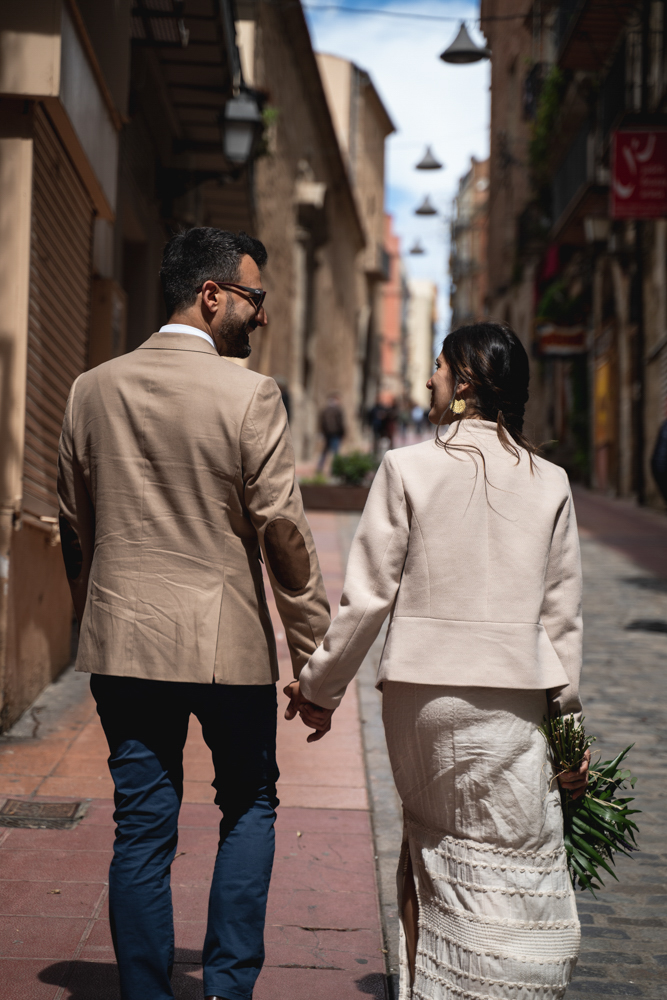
559	341
639	174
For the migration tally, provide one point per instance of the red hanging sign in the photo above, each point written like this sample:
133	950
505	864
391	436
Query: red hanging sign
639	175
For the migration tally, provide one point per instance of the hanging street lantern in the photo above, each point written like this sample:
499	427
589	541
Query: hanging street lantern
426	208
463	49
242	127
428	161
417	248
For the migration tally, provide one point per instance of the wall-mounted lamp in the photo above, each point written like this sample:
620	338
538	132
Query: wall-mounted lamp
242	127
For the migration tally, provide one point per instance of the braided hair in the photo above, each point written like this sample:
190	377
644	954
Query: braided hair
492	359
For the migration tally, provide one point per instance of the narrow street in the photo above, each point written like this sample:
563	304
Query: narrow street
331	929
624	691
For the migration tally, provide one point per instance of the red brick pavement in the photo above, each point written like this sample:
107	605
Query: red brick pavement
323	936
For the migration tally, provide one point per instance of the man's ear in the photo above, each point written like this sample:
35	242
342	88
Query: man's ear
210	294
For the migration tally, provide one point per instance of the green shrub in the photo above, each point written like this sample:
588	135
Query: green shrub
547	112
557	306
353	468
319	479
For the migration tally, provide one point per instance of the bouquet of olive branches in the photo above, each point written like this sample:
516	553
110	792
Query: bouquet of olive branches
597	825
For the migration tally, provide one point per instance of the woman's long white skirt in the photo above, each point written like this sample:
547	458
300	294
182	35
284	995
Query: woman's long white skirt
484	828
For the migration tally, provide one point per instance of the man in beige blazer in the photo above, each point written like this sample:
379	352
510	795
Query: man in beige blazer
175	480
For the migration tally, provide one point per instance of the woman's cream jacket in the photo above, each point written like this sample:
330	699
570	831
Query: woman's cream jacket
482	579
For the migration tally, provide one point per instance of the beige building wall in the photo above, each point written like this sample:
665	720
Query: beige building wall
308	218
49	86
421	319
362	125
337	79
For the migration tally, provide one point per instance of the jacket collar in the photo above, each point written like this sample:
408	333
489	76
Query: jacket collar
178	342
470	426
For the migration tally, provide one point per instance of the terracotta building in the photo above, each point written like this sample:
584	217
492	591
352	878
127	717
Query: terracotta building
393	384
421	317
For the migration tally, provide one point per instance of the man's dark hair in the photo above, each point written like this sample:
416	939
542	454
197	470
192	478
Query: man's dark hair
197	255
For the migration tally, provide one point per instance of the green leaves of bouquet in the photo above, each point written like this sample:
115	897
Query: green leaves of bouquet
597	826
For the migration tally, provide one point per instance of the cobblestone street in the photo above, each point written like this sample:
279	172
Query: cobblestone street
323	934
624	690
624	931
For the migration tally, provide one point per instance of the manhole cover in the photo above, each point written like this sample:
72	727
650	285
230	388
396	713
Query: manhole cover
42	815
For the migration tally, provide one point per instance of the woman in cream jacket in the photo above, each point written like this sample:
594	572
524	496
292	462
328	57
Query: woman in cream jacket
469	543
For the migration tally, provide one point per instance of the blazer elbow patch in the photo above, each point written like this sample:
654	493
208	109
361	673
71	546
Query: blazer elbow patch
287	553
71	547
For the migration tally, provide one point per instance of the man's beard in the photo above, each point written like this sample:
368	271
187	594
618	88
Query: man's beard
235	334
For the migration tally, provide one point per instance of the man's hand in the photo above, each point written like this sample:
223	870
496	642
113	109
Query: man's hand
576	781
312	715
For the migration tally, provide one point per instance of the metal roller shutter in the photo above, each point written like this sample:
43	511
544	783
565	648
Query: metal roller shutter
58	321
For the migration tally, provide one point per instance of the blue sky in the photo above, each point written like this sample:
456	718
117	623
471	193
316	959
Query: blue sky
429	101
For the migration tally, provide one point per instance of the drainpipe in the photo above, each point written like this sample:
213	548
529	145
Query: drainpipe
15	224
640	337
233	55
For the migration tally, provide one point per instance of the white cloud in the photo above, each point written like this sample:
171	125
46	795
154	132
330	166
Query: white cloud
429	101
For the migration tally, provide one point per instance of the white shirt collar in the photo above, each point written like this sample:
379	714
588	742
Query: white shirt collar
185	328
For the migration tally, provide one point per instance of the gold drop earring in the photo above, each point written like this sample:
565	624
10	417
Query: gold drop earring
457	405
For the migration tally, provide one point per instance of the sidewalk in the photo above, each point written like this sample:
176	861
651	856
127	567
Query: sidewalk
639	533
323	936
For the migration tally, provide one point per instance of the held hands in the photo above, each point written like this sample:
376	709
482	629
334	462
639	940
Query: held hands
312	716
575	781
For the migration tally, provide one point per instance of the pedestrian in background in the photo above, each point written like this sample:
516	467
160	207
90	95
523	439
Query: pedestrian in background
469	542
388	428
417	418
332	428
376	417
176	470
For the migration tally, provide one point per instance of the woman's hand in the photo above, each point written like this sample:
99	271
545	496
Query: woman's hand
576	781
312	715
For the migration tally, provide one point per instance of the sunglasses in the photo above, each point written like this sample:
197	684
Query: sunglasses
256	295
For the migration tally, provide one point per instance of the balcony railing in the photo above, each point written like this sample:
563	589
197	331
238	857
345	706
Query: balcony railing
572	174
564	15
532	88
612	93
462	267
533	227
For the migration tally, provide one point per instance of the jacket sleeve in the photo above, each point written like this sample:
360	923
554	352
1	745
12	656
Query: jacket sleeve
273	500
374	569
561	608
77	514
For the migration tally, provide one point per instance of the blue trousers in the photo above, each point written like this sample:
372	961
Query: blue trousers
146	725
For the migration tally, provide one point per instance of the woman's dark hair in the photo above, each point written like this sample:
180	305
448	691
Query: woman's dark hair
201	254
492	359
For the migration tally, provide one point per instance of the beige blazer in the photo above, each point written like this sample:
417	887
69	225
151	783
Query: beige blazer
176	476
482	582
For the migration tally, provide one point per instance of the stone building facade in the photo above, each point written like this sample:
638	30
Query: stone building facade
586	291
362	126
421	317
110	140
468	246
